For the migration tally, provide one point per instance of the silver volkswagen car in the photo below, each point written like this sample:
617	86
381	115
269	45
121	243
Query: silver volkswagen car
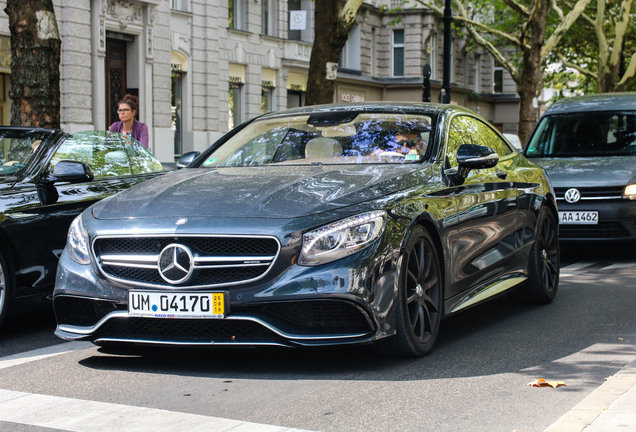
587	145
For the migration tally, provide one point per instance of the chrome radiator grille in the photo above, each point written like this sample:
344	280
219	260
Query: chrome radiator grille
185	261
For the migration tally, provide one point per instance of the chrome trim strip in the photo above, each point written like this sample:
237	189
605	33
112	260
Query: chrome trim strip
487	292
594	198
131	258
231	266
129	264
124	314
198	259
171	343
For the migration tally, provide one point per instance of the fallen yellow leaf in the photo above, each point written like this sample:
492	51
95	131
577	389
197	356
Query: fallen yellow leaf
543	383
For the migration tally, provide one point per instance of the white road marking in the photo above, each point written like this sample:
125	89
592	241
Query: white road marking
580	267
78	415
42	353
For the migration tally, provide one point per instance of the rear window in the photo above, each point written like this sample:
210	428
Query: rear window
586	134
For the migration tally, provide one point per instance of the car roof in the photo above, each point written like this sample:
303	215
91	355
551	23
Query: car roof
596	102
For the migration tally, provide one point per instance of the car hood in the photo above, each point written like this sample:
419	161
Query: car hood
270	192
589	172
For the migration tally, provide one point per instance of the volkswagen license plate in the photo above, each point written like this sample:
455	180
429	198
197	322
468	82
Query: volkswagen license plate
153	304
578	217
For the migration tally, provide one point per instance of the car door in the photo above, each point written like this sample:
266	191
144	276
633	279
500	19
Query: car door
58	204
484	242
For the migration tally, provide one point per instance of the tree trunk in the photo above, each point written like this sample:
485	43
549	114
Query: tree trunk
529	86
35	63
330	37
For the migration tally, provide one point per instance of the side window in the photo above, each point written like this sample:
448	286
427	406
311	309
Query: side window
105	155
459	133
489	137
469	130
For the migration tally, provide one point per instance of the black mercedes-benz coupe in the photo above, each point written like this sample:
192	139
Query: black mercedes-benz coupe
47	178
322	225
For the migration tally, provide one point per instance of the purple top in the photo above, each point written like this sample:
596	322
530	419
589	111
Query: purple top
139	131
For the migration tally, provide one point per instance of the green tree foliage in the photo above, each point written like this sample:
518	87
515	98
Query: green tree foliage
519	34
599	53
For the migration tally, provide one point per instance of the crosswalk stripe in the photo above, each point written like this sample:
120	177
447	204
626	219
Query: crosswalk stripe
78	415
42	353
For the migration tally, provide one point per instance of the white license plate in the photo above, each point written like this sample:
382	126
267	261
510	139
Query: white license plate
578	217
153	304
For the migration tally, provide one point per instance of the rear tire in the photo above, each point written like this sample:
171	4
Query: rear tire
419	298
543	267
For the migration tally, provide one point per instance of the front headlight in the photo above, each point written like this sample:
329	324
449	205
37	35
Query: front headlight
77	242
341	238
630	191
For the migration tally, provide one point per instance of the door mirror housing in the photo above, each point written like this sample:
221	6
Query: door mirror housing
472	156
187	158
70	171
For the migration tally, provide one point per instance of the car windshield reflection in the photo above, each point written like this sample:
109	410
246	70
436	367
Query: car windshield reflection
355	138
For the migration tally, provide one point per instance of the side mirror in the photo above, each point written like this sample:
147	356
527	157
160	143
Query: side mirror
70	171
187	158
472	156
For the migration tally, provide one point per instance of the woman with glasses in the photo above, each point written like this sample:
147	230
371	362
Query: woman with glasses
127	124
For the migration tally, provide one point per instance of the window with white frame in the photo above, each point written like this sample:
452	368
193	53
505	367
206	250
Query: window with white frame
350	54
398	53
269	13
237	14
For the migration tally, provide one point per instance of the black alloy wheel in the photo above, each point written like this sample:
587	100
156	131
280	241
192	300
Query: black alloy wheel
543	270
419	306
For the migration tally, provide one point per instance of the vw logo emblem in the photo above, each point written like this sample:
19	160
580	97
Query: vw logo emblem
572	195
175	263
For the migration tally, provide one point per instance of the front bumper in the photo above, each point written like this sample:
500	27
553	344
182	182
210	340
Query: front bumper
347	301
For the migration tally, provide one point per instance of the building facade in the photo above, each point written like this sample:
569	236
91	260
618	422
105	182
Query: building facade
200	67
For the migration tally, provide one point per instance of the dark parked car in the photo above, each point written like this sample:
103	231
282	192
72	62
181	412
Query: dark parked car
315	226
587	145
47	178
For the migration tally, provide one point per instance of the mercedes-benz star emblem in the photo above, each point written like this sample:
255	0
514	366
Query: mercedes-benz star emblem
572	195
175	263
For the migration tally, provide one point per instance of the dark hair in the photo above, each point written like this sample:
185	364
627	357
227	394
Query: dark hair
131	100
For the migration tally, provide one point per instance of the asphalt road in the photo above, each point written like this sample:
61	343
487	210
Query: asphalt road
475	380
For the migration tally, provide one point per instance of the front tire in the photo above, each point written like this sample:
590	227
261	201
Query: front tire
419	297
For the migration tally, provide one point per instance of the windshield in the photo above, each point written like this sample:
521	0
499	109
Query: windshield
327	138
17	148
587	134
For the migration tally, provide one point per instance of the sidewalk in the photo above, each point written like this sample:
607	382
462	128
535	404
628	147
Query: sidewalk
609	408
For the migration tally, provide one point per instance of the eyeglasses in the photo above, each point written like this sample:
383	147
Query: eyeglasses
122	110
409	143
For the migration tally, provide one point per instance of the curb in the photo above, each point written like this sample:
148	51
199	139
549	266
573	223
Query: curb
597	409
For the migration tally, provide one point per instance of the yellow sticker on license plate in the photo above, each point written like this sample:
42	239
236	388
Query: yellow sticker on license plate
159	304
